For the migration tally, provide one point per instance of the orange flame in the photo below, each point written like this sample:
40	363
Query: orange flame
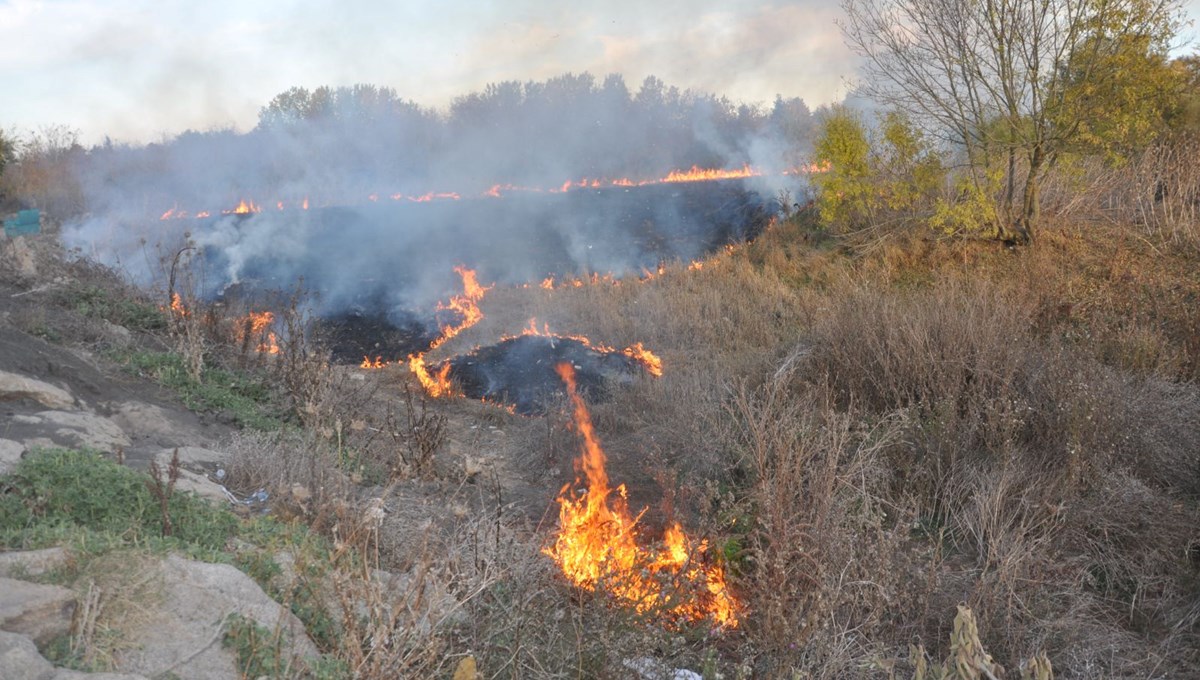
177	305
646	358
467	306
436	383
378	362
244	207
597	546
698	174
258	325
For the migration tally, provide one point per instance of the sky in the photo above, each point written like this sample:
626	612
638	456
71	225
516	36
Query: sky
143	70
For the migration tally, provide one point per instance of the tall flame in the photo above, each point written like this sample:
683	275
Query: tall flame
437	383
597	546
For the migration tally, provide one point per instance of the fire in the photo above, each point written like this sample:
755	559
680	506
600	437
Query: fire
649	360
377	362
467	307
698	174
436	383
257	325
597	543
646	358
244	207
177	307
695	174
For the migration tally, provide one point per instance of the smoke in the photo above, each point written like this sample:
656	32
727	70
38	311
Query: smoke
361	159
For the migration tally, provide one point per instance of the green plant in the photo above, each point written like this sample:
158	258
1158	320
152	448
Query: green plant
58	491
245	397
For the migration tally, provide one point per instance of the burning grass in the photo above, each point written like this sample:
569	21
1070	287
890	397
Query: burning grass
597	546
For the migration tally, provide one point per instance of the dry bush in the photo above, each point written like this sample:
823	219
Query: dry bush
823	575
300	471
1029	468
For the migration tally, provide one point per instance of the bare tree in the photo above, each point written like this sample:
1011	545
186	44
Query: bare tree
1000	79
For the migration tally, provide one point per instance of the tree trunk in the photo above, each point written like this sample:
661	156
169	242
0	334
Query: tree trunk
1031	208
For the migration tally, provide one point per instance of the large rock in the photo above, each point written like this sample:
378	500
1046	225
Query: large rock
10	455
142	420
182	635
15	387
42	612
78	429
20	660
192	457
31	562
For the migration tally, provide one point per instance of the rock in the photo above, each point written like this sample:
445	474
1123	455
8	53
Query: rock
142	420
192	457
20	660
200	485
117	335
183	634
22	563
42	612
10	455
82	430
15	387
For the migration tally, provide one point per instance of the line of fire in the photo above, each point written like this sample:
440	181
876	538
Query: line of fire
600	544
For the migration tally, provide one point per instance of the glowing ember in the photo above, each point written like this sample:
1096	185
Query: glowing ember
597	546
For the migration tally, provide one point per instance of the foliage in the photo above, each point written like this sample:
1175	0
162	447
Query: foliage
872	177
100	303
1016	84
60	490
8	150
244	397
259	652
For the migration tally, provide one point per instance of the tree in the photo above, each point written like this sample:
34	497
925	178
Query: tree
8	150
874	176
1005	81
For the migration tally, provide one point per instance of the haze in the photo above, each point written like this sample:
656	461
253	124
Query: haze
138	70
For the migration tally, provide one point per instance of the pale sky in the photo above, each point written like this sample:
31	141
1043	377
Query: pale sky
138	70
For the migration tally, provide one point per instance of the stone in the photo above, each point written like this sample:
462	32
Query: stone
141	420
192	457
14	387
200	485
18	564
40	611
20	660
183	634
83	430
10	455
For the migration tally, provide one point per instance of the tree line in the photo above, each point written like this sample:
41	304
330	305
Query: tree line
336	144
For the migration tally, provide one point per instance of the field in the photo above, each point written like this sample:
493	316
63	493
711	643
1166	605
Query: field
882	444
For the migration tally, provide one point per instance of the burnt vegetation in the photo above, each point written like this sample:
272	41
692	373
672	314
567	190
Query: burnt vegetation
907	432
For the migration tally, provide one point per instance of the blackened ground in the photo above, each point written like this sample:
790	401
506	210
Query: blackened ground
352	335
520	372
